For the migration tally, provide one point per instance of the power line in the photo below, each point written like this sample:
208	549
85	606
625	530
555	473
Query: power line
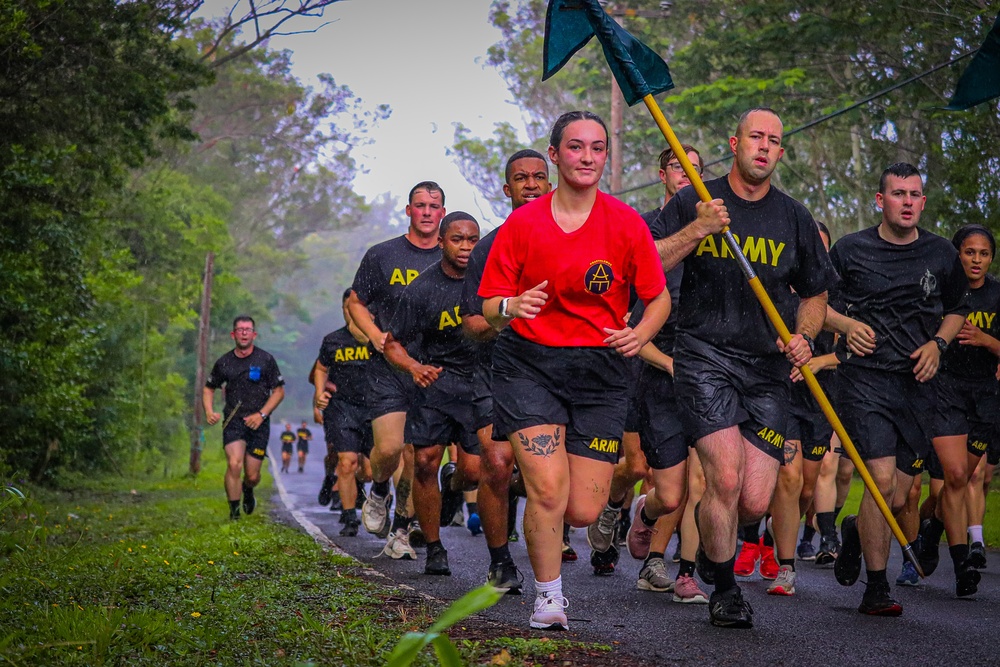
822	119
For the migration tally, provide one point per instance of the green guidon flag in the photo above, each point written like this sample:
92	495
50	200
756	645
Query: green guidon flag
569	25
981	79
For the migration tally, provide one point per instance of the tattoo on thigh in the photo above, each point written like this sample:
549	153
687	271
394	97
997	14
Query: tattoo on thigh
542	444
791	448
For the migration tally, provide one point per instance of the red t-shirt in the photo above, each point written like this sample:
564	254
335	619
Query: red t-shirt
589	270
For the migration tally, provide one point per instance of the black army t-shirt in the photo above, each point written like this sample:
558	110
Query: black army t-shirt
248	380
780	239
472	303
900	291
385	270
970	361
346	360
664	338
427	322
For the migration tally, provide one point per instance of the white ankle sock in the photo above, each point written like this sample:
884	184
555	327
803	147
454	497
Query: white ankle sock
975	534
549	589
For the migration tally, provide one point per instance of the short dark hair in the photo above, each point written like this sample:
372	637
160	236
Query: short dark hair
570	117
521	155
452	218
243	318
430	186
668	154
966	231
746	114
898	169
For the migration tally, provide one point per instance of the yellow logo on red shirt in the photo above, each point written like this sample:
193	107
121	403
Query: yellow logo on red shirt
598	277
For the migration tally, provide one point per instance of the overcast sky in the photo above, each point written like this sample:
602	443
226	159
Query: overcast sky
426	60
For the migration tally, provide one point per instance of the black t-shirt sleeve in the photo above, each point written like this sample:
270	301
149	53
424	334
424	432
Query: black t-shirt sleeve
326	353
815	273
216	378
272	376
405	322
954	294
367	278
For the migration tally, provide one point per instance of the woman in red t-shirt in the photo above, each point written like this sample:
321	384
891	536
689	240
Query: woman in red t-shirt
559	275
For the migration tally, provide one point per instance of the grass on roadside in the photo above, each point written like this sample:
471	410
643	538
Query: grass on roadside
158	575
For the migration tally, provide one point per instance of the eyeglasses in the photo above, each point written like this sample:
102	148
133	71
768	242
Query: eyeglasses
677	168
243	330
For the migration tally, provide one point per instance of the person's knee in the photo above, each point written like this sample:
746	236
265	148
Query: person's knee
790	480
724	484
753	505
426	467
252	479
580	514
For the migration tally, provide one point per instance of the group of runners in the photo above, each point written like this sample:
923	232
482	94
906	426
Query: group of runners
581	350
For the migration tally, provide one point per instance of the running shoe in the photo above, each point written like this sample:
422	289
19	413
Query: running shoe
806	551
730	610
417	539
784	583
568	552
746	561
397	547
877	601
335	504
701	562
686	591
601	532
929	554
653	577
350	528
847	568
234	513
458	520
828	550
908	576
474	524
513	536
550	613
451	501
768	563
977	556
437	561
249	501
639	534
967	580
375	513
505	577
604	562
326	489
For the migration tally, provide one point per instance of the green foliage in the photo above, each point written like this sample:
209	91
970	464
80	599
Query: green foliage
410	646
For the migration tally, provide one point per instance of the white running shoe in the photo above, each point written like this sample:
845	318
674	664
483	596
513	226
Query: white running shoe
398	546
375	512
784	584
550	613
653	577
601	532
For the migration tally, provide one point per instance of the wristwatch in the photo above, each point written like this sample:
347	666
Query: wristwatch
941	343
263	415
812	343
503	307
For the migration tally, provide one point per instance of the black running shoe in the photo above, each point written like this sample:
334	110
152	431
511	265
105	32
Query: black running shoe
730	610
350	528
847	569
437	561
929	554
828	550
249	502
326	490
877	601
417	538
604	562
234	513
335	504
451	501
977	556
505	577
967	580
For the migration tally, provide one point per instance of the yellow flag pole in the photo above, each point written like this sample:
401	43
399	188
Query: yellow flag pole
783	332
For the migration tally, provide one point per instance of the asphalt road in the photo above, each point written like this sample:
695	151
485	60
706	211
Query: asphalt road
820	625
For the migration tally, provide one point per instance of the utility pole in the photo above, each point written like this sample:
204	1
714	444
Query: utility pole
619	13
197	432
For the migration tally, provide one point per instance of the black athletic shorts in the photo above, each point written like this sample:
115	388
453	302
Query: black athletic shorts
389	390
661	433
287	447
933	466
717	389
482	400
887	414
302	446
445	414
346	428
993	453
967	407
632	419
256	440
584	388
807	424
